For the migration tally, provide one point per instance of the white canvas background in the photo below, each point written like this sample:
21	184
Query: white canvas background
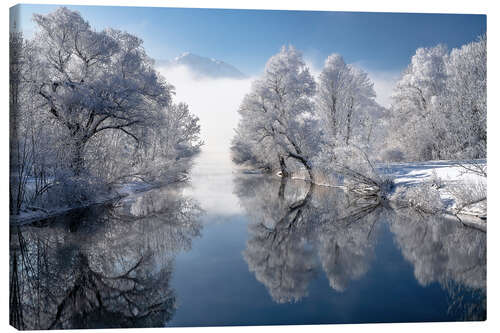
423	6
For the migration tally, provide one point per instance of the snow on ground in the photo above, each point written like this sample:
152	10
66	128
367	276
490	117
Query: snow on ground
124	190
444	176
418	172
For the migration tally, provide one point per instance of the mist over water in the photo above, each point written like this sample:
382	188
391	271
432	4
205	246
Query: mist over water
212	184
215	101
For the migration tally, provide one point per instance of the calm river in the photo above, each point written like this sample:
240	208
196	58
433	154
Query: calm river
240	249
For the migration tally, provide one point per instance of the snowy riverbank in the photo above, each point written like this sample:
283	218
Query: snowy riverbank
442	185
446	177
116	193
447	187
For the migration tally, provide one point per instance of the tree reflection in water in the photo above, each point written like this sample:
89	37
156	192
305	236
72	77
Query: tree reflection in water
277	251
298	229
293	221
107	266
111	266
448	253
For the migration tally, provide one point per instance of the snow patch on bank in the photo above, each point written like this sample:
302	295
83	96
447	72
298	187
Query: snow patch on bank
124	191
443	176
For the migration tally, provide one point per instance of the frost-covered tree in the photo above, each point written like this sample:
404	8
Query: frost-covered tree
33	139
20	156
439	104
92	82
164	152
288	125
344	99
465	100
350	117
414	116
277	124
87	109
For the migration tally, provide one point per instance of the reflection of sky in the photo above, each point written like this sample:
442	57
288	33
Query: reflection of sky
212	185
214	287
226	290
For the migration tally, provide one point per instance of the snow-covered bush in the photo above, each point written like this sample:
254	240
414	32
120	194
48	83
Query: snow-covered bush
436	181
68	190
422	197
352	165
470	196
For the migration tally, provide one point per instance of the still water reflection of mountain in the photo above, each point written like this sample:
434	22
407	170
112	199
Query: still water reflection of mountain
112	266
298	230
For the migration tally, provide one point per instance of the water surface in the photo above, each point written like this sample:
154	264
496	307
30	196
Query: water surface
236	249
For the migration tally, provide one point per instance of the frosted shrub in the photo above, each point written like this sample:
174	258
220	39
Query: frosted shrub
436	181
350	165
423	198
68	190
468	194
386	184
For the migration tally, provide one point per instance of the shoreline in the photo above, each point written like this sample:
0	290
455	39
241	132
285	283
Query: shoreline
125	190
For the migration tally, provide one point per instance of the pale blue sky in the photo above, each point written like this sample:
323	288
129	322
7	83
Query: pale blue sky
382	42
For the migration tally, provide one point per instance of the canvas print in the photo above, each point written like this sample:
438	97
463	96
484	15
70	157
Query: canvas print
217	167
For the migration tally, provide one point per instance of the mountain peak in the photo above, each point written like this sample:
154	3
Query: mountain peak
206	67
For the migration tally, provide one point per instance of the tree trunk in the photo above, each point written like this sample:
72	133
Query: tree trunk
309	170
77	161
284	170
334	116
349	116
281	192
305	163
